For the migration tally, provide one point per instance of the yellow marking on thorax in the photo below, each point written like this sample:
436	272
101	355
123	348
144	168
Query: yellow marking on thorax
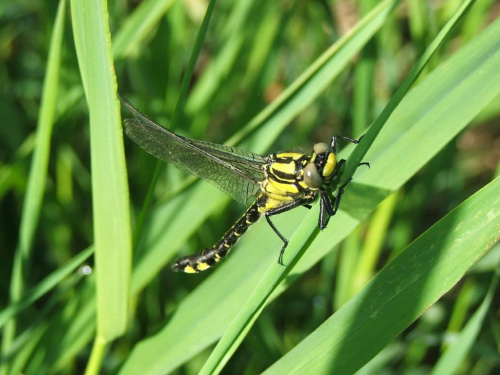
272	204
282	177
283	171
278	188
292	155
329	167
304	185
278	191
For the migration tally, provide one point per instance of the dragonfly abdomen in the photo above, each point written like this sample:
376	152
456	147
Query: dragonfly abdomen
208	257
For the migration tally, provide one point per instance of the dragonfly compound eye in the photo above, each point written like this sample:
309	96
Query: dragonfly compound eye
311	176
320	148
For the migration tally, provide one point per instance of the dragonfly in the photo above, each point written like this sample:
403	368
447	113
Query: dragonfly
276	183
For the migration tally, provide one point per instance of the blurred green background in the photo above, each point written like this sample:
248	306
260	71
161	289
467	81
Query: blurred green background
253	51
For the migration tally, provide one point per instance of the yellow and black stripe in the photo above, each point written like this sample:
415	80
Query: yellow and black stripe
208	257
283	189
279	182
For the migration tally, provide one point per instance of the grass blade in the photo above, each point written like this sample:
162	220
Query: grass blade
455	354
139	25
109	180
417	278
38	173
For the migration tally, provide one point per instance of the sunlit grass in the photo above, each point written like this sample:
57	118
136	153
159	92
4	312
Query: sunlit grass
270	76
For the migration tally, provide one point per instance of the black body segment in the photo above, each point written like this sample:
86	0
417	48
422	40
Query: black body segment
278	182
208	257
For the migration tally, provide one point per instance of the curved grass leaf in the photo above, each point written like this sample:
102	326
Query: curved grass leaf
401	291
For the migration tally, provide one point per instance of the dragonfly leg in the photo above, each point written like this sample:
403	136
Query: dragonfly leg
285	241
279	210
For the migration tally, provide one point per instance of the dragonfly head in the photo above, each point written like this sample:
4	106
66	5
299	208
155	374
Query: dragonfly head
321	166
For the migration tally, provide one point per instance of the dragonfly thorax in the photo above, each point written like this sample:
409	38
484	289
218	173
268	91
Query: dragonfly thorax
294	177
321	166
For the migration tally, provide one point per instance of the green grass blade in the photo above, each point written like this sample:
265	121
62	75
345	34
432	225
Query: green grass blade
316	78
377	231
186	80
449	363
214	75
9	174
138	25
45	286
38	173
398	295
359	152
109	180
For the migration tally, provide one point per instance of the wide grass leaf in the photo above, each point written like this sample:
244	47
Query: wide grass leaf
111	213
401	292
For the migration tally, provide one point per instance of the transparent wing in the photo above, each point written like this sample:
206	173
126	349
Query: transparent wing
234	171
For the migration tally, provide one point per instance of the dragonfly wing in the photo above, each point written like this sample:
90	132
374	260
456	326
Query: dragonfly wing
236	172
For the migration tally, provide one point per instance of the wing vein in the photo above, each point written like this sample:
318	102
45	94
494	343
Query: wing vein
234	171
